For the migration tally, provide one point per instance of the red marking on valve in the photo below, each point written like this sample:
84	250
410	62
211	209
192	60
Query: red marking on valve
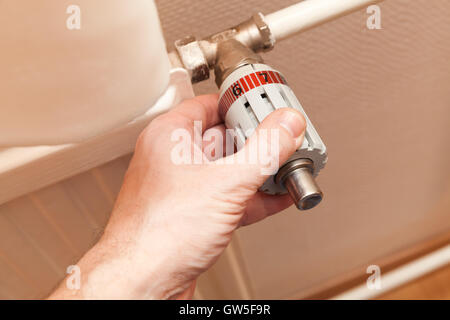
245	84
255	80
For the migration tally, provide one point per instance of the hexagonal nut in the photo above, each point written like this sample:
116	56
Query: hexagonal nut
193	59
267	38
231	54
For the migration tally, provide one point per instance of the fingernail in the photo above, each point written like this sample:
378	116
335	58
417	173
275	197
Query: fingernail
293	122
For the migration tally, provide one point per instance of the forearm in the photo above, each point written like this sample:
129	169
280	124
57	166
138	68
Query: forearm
113	270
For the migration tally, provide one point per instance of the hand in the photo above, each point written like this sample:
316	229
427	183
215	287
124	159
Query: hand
171	222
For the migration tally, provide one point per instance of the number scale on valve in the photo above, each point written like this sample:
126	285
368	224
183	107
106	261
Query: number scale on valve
245	84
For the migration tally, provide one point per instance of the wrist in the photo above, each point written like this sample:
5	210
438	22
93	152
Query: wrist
115	270
128	271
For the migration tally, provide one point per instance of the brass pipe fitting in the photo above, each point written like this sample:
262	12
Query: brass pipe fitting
199	56
230	55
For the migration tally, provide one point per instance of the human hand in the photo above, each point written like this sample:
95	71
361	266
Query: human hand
172	221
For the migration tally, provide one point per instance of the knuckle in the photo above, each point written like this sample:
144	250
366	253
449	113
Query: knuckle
161	128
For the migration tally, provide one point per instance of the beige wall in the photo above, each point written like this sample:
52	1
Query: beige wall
44	232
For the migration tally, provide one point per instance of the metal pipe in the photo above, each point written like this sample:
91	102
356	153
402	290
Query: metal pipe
259	33
310	13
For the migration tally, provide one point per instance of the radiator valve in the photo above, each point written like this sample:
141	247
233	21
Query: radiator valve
249	91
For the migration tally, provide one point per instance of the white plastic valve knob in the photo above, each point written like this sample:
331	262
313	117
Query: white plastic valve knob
248	95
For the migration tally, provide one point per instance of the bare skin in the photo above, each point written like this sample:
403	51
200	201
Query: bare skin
171	222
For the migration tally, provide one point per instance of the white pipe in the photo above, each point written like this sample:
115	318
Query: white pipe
310	13
400	276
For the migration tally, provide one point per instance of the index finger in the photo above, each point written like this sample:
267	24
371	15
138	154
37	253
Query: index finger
203	108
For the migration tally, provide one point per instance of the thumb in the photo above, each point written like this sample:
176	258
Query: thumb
270	146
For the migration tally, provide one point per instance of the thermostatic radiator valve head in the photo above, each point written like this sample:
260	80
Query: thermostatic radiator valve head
249	92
